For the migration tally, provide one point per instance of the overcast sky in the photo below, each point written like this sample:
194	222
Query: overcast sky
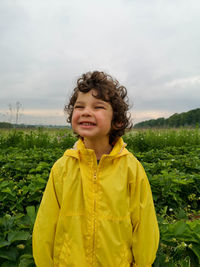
151	47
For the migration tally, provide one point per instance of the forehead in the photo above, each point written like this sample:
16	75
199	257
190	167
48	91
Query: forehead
89	96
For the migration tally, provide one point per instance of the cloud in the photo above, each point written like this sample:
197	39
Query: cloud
151	47
185	82
150	114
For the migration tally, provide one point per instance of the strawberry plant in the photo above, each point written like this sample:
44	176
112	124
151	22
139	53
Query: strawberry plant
172	163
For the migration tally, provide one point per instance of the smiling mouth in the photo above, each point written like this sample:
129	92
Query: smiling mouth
87	123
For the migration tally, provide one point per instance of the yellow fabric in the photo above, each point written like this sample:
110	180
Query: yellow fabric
96	215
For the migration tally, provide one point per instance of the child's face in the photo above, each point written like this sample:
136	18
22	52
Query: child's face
92	117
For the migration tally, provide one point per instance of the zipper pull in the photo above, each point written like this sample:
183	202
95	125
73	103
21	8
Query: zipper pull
95	175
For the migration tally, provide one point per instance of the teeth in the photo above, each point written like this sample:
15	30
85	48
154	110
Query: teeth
87	123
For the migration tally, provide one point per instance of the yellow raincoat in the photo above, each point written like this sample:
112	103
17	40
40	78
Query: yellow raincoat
96	215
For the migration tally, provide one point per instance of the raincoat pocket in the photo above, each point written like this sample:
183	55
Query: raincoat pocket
126	256
65	252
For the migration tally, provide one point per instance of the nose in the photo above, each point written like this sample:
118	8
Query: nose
86	112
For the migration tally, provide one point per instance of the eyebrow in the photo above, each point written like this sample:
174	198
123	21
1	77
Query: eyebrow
79	102
100	102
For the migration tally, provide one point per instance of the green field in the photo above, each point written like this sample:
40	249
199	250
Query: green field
171	159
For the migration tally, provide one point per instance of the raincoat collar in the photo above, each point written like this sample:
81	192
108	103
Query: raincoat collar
79	148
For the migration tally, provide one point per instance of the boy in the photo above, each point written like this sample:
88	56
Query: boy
97	208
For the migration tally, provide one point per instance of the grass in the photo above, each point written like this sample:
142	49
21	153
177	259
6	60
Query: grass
144	140
141	140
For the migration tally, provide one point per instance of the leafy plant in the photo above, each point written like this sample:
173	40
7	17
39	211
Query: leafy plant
170	158
15	239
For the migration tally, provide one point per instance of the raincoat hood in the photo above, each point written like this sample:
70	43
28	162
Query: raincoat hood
79	148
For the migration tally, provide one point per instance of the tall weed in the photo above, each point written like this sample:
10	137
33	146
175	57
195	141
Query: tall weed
37	139
145	140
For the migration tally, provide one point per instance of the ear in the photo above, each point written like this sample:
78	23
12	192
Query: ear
117	125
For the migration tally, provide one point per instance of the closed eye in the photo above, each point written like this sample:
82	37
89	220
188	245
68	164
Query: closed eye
78	106
99	107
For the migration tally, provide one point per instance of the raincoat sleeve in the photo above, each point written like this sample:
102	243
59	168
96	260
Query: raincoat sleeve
145	235
45	224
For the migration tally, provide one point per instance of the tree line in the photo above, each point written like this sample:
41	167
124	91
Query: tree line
190	118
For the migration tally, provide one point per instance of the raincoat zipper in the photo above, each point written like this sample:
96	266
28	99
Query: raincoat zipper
94	219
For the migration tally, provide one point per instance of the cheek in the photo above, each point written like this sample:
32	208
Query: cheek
106	120
75	117
110	117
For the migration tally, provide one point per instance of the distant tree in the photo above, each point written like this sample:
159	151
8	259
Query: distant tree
190	118
18	108
11	112
14	111
5	125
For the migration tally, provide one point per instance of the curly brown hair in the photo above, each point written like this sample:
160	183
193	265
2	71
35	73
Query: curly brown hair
108	90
